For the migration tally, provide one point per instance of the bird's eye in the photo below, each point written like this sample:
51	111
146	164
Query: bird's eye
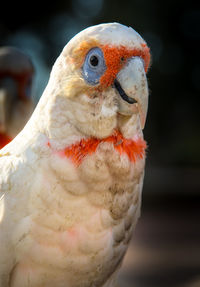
94	66
94	61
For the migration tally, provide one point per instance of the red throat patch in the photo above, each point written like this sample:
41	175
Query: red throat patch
134	149
4	140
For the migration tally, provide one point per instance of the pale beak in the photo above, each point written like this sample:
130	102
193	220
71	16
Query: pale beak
131	84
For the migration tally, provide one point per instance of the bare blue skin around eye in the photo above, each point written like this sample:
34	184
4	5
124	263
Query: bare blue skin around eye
92	74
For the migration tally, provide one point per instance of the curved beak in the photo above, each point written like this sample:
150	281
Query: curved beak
131	84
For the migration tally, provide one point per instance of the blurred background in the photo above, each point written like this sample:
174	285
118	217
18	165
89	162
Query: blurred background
165	250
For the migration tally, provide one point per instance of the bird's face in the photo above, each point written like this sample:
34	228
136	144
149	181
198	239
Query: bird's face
100	79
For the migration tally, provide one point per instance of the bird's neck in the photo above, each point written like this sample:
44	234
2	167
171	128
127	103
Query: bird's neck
133	148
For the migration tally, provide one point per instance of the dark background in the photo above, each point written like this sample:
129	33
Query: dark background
165	250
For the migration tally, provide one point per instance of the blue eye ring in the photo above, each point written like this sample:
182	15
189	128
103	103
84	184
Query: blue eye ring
94	66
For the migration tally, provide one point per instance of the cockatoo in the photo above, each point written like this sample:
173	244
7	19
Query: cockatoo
16	105
71	180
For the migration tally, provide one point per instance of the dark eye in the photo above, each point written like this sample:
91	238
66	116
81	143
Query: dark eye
94	60
94	66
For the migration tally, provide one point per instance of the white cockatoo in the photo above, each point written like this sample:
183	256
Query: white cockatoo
71	181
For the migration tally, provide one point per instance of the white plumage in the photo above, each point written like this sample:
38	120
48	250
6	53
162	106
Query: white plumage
70	185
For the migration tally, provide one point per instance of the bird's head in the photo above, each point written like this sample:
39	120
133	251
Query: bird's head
98	83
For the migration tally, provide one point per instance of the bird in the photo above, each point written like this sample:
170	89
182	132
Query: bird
71	180
16	104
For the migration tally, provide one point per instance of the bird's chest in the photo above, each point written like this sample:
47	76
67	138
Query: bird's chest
100	176
101	199
83	218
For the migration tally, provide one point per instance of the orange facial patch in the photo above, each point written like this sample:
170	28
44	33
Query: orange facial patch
134	149
80	52
116	57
